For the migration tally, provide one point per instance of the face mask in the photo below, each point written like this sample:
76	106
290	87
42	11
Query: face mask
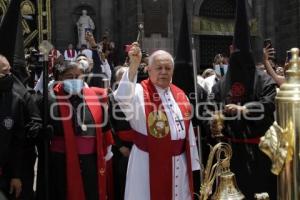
221	69
6	82
73	86
84	64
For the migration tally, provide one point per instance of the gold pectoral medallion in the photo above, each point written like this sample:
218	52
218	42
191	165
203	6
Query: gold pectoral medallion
158	124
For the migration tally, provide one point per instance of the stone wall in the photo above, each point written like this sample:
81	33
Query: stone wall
287	27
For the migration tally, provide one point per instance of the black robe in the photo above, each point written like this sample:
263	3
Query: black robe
251	166
12	135
120	162
33	124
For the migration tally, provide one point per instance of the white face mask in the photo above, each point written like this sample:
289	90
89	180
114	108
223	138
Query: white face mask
84	64
73	86
219	68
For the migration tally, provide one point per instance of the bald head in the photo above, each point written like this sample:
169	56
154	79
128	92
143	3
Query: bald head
161	68
160	53
4	66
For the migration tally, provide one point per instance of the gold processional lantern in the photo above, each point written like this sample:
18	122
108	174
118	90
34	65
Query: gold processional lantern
281	143
226	187
44	49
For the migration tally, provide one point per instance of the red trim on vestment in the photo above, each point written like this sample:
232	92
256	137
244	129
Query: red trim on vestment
96	110
75	190
71	53
160	149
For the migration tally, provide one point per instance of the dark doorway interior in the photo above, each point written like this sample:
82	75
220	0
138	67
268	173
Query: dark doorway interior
210	45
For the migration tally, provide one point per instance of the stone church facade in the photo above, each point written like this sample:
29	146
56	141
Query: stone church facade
119	19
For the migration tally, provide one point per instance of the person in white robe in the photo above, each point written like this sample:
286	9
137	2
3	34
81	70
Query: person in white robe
130	96
70	54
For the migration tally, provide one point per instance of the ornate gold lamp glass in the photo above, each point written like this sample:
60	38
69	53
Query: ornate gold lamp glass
281	143
226	187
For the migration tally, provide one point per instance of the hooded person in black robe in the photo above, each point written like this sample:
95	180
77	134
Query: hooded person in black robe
19	127
246	98
12	49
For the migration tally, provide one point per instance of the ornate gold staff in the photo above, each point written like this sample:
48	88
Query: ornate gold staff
281	142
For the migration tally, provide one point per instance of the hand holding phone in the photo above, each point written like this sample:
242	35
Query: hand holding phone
268	43
269	51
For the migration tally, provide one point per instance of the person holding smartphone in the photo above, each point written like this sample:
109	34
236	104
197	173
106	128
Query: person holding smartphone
268	56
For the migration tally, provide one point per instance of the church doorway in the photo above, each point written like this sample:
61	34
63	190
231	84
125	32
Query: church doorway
215	25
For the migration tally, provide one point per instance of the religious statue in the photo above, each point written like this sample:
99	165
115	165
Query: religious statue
84	24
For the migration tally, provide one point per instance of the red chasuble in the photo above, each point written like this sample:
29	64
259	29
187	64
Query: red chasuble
71	53
52	58
160	145
75	190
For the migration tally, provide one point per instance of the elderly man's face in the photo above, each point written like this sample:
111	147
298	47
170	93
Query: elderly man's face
161	71
4	66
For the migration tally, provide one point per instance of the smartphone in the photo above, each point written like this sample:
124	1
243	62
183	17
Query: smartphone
288	55
268	42
87	30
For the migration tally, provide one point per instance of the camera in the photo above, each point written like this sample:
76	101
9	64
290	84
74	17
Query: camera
86	30
34	65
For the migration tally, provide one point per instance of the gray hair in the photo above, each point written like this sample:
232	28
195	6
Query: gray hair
157	53
61	69
208	72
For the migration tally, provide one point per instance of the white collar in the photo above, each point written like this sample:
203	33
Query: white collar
162	90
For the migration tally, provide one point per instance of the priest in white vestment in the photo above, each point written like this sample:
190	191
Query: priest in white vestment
131	98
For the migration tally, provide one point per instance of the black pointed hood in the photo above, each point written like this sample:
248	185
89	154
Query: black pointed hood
241	40
12	41
183	71
239	79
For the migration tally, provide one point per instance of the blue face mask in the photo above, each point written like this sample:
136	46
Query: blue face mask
221	69
73	86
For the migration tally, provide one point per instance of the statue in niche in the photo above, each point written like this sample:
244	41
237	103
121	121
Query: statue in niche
84	24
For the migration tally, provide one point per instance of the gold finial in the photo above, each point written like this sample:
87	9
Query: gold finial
294	64
27	8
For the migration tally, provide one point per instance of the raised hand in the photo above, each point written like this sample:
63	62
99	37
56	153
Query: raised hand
135	57
268	52
90	39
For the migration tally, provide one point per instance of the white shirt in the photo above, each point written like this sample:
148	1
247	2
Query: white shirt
200	80
106	69
209	82
131	99
88	53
